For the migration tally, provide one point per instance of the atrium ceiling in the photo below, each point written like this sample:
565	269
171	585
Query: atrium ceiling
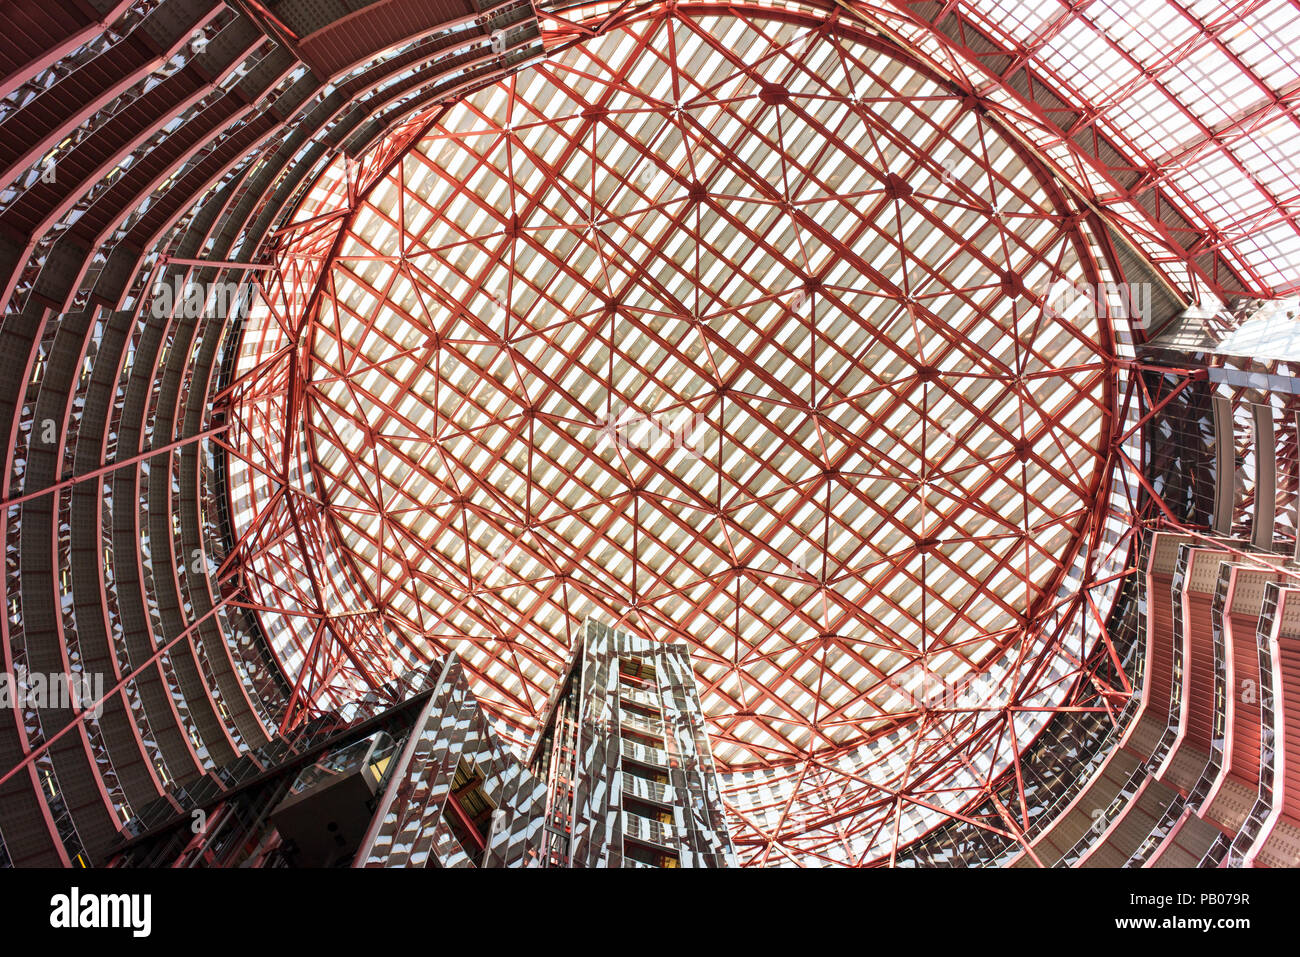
788	331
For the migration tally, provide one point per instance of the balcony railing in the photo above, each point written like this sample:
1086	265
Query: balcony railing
646	755
646	830
642	723
648	790
637	696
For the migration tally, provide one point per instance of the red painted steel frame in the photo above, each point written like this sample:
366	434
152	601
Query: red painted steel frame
280	416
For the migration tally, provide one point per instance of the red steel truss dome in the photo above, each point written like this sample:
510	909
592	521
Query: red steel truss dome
751	326
731	329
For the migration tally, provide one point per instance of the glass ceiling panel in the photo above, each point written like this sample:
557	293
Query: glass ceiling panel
733	331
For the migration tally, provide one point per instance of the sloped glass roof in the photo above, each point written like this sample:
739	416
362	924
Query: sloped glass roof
1186	112
740	330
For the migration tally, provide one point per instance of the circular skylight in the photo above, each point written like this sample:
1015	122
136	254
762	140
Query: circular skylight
729	332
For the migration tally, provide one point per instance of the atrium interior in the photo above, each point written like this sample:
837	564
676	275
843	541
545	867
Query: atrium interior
650	434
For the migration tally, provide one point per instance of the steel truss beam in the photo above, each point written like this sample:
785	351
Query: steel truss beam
355	577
